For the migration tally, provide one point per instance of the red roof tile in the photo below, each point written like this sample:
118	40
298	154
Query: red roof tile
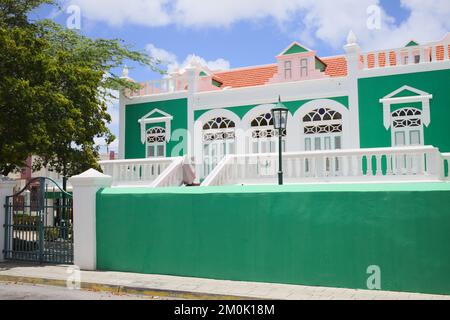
257	76
247	77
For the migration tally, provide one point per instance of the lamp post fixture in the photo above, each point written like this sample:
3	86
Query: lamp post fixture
279	115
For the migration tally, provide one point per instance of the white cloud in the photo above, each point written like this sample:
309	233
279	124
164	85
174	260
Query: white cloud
150	13
171	61
162	55
327	21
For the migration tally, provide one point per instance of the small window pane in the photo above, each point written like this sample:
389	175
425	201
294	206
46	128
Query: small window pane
400	138
317	144
327	143
161	151
415	137
255	147
337	143
151	151
230	148
308	144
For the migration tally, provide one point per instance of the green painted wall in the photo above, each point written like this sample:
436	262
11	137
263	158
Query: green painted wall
293	106
371	90
321	235
134	149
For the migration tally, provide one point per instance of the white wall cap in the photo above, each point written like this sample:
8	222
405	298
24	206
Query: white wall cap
92	178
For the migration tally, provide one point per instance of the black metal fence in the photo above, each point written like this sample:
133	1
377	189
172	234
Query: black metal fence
39	224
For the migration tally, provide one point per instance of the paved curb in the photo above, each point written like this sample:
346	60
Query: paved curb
117	289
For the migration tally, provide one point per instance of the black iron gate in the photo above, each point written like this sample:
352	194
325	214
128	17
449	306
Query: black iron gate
39	224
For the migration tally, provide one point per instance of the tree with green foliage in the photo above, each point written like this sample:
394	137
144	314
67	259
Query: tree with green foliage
55	85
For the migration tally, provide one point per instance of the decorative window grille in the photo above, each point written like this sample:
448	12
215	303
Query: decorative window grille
407	127
156	142
264	135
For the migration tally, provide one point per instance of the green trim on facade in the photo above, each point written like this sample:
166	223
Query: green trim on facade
412	44
320	65
295	48
373	134
293	106
134	148
319	235
216	83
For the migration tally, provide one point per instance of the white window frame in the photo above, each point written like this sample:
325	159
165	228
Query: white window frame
270	144
288	69
304	67
155	145
216	149
407	130
312	138
421	97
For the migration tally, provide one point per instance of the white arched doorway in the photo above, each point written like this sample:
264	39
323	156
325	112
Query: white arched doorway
216	136
260	135
324	125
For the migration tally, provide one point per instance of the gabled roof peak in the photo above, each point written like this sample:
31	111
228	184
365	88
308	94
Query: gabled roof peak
294	48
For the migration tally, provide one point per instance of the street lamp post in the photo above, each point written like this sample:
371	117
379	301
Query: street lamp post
279	115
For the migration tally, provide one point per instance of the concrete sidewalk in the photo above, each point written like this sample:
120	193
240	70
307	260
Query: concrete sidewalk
192	288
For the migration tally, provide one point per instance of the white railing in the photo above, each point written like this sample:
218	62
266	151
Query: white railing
446	158
360	165
143	172
172	176
430	53
154	87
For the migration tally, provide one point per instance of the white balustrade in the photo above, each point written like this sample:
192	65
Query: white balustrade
155	87
172	176
144	172
435	52
360	165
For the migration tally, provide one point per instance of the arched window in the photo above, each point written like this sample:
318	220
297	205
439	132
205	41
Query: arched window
407	127
323	129
219	139
156	142
264	136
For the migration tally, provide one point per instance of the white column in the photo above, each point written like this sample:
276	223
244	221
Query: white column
6	189
85	188
191	73
351	134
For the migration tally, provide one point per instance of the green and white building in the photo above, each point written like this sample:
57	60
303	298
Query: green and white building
359	116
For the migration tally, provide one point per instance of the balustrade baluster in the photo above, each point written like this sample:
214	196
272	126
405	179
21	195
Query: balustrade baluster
379	171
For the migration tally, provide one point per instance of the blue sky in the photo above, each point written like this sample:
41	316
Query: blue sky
239	33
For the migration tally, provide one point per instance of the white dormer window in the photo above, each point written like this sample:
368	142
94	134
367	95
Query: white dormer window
304	67
287	69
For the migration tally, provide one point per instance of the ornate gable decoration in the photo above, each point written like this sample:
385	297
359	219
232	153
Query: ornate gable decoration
406	94
161	116
294	48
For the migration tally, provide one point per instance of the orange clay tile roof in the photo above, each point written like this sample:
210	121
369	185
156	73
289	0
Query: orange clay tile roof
257	76
246	77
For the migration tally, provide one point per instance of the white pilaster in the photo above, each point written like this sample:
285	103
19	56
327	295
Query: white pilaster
85	188
6	189
191	73
352	50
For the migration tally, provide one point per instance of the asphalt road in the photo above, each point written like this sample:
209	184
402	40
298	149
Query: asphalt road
13	291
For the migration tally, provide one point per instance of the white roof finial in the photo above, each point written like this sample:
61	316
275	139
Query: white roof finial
125	71
351	38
